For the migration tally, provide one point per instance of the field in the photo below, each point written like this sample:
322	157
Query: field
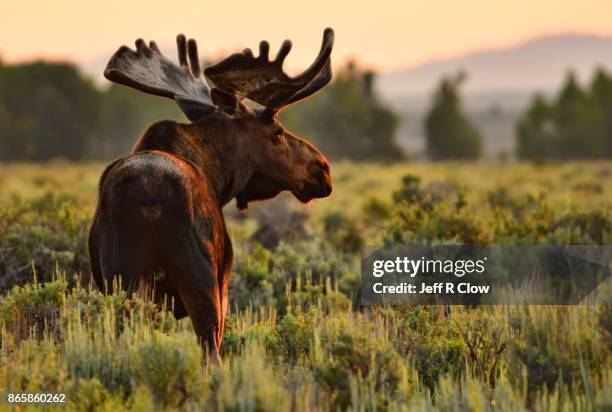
296	338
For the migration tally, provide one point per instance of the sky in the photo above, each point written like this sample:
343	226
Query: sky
382	34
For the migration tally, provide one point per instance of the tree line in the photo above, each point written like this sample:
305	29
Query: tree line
576	124
50	110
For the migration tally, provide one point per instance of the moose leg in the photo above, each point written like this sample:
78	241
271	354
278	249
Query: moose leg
128	260
224	279
224	304
94	256
190	267
167	296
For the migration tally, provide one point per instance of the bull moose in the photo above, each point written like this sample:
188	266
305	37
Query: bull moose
159	219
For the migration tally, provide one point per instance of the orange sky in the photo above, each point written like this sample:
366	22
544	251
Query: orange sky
384	34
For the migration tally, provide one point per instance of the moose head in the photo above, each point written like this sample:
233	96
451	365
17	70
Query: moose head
159	218
244	103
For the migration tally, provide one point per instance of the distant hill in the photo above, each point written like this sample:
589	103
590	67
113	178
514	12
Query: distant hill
537	65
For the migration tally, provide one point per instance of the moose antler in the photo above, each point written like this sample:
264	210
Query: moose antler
264	81
146	69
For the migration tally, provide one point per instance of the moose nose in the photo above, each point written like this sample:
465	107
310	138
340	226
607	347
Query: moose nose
327	188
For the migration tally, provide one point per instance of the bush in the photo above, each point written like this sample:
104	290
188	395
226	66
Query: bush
168	366
342	233
502	218
32	310
39	235
540	335
293	339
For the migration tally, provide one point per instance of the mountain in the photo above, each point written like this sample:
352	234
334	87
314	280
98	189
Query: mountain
537	65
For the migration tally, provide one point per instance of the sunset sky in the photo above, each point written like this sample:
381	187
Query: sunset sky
384	34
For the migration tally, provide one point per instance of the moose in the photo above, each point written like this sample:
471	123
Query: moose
159	219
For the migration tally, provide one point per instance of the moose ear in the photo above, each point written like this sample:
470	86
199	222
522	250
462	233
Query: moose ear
227	102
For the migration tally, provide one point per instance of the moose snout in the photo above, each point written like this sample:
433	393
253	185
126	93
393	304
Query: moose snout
327	187
323	176
323	187
316	187
324	179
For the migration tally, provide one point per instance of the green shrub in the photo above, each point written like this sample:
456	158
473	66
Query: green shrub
558	346
486	338
169	366
38	235
292	337
342	233
32	309
376	210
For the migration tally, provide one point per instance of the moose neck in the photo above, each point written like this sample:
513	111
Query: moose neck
228	162
214	146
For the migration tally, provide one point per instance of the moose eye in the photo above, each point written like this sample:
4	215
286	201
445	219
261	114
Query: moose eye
278	133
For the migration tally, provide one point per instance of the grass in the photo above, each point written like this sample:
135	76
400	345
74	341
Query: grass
295	339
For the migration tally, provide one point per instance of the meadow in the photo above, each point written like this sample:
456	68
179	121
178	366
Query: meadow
297	338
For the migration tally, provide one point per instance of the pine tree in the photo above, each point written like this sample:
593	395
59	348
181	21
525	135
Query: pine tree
576	125
537	132
347	119
579	122
601	90
449	134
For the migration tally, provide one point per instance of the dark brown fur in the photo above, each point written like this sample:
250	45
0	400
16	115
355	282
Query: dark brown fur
159	220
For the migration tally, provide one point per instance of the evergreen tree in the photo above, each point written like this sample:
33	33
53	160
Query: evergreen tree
601	90
449	134
536	131
124	114
346	119
579	122
576	125
49	110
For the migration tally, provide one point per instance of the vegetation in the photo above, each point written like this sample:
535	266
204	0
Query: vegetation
296	340
45	110
347	119
575	125
49	110
448	132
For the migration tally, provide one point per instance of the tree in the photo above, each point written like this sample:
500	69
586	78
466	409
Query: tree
601	90
449	134
49	110
579	122
536	131
347	119
124	113
576	125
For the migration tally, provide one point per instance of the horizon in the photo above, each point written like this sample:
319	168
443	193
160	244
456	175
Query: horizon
501	48
409	35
